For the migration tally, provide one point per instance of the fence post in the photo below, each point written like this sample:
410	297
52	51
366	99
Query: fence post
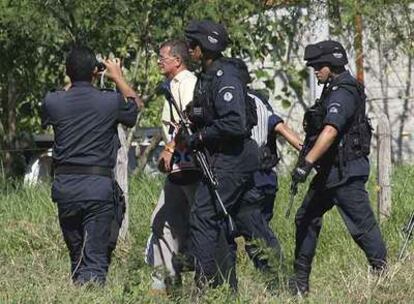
384	167
121	176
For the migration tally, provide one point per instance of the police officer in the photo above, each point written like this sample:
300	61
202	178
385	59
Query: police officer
223	121
256	210
84	120
337	144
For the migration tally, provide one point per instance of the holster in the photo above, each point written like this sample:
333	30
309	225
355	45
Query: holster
119	210
120	205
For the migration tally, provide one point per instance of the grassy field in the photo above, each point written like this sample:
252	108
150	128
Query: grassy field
34	264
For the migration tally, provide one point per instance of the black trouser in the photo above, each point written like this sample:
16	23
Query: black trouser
86	228
353	204
252	221
210	242
268	202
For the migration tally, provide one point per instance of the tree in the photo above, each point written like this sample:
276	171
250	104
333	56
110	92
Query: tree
388	30
26	45
129	29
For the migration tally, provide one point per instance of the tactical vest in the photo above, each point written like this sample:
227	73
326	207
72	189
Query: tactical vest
203	111
356	139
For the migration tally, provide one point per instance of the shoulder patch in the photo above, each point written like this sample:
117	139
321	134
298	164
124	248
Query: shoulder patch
219	73
228	96
333	110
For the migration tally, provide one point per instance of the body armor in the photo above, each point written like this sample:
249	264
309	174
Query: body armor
202	111
355	141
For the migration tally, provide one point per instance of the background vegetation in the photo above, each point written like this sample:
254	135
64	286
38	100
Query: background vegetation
34	37
36	34
34	262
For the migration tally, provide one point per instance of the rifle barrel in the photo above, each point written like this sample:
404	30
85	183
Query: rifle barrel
408	229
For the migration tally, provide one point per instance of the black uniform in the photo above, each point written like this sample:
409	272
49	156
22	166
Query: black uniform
84	120
220	115
342	173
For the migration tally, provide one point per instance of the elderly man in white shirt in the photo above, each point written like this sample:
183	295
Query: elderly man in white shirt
170	218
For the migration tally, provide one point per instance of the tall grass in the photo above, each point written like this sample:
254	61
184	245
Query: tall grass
34	264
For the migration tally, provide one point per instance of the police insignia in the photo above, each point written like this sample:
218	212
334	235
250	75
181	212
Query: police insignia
333	110
212	39
334	88
228	96
219	73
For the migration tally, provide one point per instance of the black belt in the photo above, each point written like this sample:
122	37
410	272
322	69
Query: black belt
84	170
229	146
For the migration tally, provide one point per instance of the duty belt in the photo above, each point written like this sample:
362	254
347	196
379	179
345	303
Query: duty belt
227	146
84	170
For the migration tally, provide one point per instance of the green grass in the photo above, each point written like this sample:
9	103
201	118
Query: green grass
34	264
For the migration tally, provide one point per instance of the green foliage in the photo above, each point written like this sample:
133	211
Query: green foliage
35	265
36	34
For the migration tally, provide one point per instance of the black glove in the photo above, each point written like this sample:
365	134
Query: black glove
194	141
301	171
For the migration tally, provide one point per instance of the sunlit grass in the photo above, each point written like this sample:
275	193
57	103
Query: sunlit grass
34	264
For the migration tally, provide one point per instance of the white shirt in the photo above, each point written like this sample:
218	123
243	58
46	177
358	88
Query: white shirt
261	130
182	89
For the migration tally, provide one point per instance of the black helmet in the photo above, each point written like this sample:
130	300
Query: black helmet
209	35
328	51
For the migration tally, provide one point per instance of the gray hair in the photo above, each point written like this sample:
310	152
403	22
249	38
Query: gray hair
178	48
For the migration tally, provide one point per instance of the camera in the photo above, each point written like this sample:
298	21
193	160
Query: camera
100	66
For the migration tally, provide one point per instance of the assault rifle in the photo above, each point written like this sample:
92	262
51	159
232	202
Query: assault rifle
201	160
408	230
292	193
294	185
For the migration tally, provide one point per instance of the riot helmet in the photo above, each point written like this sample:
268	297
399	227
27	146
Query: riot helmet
325	52
209	35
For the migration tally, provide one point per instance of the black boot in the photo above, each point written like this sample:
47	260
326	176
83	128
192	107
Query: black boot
299	284
378	267
183	263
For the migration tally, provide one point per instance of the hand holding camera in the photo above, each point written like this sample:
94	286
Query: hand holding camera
113	69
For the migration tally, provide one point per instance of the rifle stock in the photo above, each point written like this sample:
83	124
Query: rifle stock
294	185
292	193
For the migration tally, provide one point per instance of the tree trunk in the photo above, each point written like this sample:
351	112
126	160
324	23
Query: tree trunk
384	167
11	126
143	159
359	61
404	114
121	176
382	70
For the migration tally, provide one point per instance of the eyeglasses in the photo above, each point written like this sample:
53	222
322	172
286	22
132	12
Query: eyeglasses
162	59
